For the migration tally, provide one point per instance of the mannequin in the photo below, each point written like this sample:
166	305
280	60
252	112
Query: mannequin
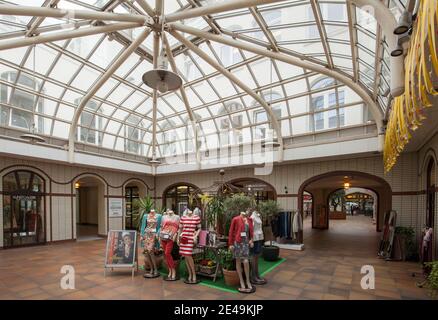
257	248
168	235
240	240
189	228
150	228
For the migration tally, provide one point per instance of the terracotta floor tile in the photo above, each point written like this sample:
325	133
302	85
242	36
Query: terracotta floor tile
328	268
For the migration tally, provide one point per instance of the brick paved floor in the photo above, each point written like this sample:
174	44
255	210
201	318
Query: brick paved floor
328	268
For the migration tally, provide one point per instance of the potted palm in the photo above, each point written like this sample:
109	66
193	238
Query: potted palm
231	277
269	209
143	205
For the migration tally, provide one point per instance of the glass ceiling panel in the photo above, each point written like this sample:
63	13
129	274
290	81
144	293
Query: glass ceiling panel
119	116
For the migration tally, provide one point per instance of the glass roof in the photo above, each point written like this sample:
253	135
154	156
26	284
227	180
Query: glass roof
43	84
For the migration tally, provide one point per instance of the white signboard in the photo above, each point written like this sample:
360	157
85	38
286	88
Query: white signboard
115	207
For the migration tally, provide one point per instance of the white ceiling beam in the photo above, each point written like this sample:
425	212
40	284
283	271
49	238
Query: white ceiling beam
64	35
146	7
261	23
215	8
97	85
351	14
70	14
239	83
322	32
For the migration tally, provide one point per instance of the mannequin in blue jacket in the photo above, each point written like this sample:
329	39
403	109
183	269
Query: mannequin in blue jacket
150	229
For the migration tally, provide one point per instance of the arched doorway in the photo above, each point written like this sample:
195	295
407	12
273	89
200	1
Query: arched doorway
133	191
90	208
24	210
259	189
357	204
430	193
180	196
321	186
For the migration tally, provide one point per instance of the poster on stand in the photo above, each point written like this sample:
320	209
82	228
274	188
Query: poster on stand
121	248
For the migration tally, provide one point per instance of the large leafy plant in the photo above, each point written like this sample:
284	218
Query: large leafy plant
214	212
408	234
143	205
233	206
432	278
268	209
227	260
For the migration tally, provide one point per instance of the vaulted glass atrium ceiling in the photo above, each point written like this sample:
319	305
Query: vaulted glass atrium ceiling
44	83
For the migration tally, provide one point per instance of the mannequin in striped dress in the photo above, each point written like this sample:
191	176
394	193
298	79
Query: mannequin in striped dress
189	228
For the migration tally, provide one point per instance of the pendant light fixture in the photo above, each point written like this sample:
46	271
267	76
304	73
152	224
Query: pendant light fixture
161	78
32	136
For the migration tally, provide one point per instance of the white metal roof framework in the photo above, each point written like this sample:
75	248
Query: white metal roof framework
86	60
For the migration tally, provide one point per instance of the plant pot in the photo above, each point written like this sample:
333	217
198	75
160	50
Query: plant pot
231	278
270	253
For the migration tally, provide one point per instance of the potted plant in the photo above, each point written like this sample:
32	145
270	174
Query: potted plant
214	212
231	277
269	209
233	206
143	205
432	278
404	247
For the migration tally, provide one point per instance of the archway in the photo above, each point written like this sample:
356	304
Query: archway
24	208
322	185
133	190
90	207
179	196
259	189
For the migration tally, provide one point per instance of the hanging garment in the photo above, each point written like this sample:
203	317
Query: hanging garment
426	246
297	222
275	226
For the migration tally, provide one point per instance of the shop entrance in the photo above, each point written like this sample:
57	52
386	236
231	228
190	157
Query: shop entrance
23	209
341	195
133	192
90	208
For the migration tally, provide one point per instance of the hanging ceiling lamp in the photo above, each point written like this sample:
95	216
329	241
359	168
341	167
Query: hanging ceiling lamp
32	135
162	79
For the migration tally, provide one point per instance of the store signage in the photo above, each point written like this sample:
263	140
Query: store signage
115	207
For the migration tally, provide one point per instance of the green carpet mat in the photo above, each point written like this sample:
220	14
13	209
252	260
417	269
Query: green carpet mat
264	268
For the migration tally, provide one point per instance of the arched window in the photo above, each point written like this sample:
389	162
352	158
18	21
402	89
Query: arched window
169	136
133	135
327	99
180	196
230	126
20	117
260	115
90	123
23	208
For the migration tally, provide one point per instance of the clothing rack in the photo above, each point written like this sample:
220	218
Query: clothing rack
286	227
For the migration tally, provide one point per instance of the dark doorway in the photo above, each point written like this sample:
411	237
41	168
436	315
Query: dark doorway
23	209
